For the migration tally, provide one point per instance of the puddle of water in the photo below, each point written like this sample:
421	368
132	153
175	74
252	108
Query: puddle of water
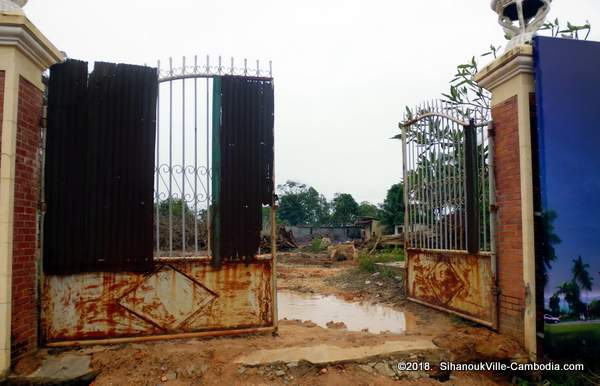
321	309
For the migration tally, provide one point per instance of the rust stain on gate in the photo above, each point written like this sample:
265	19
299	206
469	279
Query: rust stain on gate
176	297
458	282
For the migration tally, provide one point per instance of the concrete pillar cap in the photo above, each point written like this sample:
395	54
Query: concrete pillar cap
12	7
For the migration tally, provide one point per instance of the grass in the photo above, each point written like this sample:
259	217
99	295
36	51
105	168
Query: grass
567	338
571	343
367	263
562	378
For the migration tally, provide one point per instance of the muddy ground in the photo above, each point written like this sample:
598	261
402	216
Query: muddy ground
211	361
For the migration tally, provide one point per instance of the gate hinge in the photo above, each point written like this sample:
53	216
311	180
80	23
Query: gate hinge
491	130
42	206
494	208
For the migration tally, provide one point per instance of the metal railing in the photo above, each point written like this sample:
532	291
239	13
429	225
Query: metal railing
183	153
447	168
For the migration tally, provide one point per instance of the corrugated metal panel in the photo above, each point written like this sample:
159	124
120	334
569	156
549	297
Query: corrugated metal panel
64	166
99	160
245	165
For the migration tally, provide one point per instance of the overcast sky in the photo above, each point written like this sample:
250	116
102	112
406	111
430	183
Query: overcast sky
344	69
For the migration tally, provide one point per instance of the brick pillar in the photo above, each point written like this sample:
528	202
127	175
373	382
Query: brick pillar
510	80
24	54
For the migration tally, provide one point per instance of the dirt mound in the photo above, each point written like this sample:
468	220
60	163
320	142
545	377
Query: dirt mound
341	252
470	344
336	325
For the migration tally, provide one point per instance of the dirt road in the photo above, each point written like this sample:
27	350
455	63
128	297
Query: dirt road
212	361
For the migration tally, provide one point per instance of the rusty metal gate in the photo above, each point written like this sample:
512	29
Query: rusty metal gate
195	142
449	227
198	138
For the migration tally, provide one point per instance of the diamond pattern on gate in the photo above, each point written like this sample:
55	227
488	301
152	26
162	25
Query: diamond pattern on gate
445	281
168	298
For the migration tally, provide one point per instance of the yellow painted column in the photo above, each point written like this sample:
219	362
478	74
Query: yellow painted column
510	80
24	53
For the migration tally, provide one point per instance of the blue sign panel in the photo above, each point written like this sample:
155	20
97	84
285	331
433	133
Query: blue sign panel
567	75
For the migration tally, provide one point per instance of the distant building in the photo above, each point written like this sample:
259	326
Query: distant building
398	229
305	233
371	227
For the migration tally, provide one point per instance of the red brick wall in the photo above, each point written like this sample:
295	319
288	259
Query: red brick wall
509	228
27	175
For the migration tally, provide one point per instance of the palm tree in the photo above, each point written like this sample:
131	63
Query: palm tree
581	275
555	304
572	294
546	247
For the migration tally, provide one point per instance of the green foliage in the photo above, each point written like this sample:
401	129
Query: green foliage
345	209
465	94
555	305
302	205
572	289
316	245
392	210
546	247
467	100
562	378
366	262
570	31
573	341
581	275
366	209
266	218
572	295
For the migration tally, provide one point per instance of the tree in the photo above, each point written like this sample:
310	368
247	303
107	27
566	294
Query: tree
318	208
572	295
392	210
300	204
581	275
546	247
292	208
345	209
555	305
366	209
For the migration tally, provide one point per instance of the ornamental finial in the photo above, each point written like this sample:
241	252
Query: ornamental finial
521	19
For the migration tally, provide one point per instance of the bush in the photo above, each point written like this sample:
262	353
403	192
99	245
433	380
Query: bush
316	245
170	216
367	262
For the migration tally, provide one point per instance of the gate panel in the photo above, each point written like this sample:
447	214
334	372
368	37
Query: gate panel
245	166
99	168
449	227
177	297
457	282
88	298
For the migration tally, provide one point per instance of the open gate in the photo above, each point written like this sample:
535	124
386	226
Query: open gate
449	227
